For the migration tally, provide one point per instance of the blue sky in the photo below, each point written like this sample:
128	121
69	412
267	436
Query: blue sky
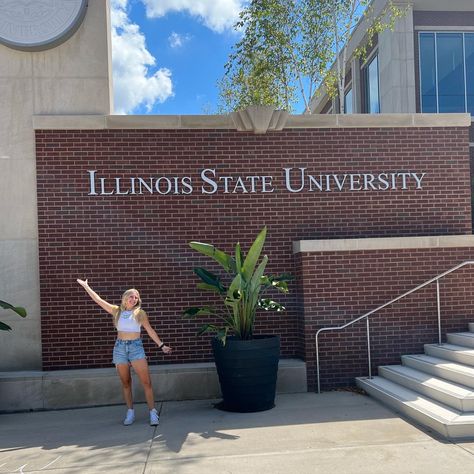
169	54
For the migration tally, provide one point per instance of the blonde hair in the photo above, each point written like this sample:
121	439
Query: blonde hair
137	312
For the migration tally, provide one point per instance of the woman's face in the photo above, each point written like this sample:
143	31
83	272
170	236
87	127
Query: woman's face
131	300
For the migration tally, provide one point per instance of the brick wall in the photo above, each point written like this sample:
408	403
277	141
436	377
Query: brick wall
340	286
141	240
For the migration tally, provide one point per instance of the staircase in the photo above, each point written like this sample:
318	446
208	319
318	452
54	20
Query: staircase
436	389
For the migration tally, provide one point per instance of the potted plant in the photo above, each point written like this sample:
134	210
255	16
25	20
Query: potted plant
17	309
247	365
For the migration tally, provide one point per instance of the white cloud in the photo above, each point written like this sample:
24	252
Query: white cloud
134	84
177	40
218	15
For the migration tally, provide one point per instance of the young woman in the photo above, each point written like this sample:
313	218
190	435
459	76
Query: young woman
128	318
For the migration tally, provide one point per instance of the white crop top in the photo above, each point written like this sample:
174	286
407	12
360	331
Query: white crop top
126	323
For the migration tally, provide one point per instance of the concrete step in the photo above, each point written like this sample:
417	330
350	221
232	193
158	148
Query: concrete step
443	419
441	368
461	354
471	327
451	394
461	339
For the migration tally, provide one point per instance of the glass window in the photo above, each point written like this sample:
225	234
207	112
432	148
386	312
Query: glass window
372	86
428	73
469	54
451	92
447	72
348	102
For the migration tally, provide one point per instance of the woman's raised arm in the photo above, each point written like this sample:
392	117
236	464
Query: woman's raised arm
110	308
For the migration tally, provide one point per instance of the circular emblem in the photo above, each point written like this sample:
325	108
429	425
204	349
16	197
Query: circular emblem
34	25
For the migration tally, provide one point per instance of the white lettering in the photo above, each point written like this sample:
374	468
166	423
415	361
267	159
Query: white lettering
384	181
418	180
158	185
318	184
102	188
269	184
368	181
340	184
240	184
353	181
252	181
404	179
92	183
226	183
142	182
288	180
117	187
208	181
187	186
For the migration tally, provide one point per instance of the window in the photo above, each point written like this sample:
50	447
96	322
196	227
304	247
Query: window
447	72
348	102
371	75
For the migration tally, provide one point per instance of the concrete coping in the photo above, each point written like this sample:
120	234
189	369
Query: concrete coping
383	243
178	122
189	367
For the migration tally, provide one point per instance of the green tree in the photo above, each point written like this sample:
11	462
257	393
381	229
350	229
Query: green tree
281	56
290	47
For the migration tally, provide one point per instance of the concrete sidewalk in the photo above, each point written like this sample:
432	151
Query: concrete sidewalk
338	432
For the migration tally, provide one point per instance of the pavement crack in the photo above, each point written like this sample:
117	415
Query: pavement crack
152	439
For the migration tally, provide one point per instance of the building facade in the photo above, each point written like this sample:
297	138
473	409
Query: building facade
426	65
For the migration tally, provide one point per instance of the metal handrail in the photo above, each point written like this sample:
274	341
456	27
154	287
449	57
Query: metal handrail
366	315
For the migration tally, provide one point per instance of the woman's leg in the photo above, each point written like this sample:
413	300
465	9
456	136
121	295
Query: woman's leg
126	379
141	368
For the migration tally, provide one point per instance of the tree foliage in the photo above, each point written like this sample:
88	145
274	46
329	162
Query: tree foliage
280	56
290	47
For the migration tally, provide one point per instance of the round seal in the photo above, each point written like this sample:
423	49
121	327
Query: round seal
35	25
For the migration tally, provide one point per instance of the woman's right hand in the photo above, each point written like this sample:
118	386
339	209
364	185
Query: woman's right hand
83	283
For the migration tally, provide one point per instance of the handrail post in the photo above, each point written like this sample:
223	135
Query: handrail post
439	311
317	363
368	348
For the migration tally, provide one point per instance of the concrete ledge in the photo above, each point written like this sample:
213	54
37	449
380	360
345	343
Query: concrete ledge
177	122
383	243
38	390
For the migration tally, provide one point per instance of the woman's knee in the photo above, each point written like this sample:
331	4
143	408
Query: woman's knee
126	384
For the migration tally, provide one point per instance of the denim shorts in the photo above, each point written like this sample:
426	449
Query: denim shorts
127	351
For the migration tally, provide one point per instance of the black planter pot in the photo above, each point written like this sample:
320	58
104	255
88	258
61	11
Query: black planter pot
247	372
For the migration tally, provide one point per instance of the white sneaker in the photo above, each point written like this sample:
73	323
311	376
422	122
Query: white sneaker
130	417
154	418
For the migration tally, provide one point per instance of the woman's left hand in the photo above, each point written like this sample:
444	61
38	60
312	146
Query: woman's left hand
167	349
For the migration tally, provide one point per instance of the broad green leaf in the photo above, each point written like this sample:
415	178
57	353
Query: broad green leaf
270	305
209	278
238	258
196	311
5	327
252	257
281	286
218	255
235	289
222	335
207	328
213	288
18	309
256	280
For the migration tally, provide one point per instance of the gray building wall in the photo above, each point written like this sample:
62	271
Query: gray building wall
397	67
72	78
